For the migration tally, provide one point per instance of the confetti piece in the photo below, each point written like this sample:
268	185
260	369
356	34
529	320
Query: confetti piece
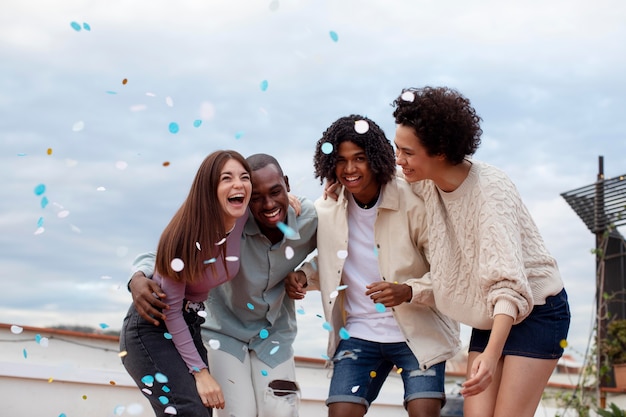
300	310
408	96
165	388
25	354
274	350
327	326
373	374
49	151
148	380
287	231
40	222
112	383
221	242
177	264
111	92
84	397
563	343
164	400
87	27
62	415
214	344
16	329
264	85
380	307
263	334
355	389
101	188
202	313
170	410
78	126
342	254
124	81
147	391
134	409
239	135
63	214
104	325
173	128
76	26
399	371
119	410
167	336
39	231
343	333
197	123
21	154
264	372
44	342
342	287
37	338
231	258
209	261
121	165
327	148
50	380
198	246
169	101
289	252
250	306
334	294
40	189
138	107
334	36
361	126
166	164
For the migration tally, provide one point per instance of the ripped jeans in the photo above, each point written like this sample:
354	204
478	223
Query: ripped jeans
253	389
360	368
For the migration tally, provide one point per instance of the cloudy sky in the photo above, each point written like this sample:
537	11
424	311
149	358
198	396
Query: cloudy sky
92	91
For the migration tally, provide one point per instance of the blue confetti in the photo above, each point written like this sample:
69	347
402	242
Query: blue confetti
160	377
111	92
250	306
165	388
264	372
327	326
300	310
21	154
40	222
76	26
104	325
334	36
197	123
327	148
38	338
274	350
164	400
40	189
148	380
287	231
25	354
264	333
210	261
44	202
239	135
62	415
86	26
167	335
343	333
380	307
173	127
264	85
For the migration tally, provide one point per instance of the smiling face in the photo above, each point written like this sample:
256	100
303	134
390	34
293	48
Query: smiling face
233	191
412	156
353	172
270	199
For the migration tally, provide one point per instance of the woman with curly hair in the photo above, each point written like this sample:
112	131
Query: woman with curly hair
490	268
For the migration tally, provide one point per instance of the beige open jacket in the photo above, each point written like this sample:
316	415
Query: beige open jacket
401	242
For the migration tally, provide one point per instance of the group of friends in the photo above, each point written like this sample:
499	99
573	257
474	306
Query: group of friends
403	245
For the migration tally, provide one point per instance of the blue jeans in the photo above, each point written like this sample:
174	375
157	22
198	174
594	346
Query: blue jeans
360	367
149	352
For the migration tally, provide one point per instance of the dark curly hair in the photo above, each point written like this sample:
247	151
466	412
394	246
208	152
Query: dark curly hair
444	121
378	149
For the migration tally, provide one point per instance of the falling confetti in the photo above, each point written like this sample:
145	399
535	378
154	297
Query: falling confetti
49	151
177	264
210	261
264	85
173	127
289	252
380	307
231	258
84	397
327	148
274	350
148	380
250	306
355	388
166	164
78	126
76	26
170	410
327	326
334	294
16	329
167	335
214	344
40	189
341	287
239	135
104	326
124	81
373	374
263	334
121	165
164	400
160	378
342	254
101	188
563	343
197	123
221	242
198	246
334	36
361	126
343	333
408	96
44	202
264	372
63	214
287	231
25	354
169	101
300	310
87	27
399	371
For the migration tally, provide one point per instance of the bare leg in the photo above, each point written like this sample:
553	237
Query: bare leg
483	404
346	410
424	407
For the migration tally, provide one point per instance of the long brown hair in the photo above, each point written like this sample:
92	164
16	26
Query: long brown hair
199	219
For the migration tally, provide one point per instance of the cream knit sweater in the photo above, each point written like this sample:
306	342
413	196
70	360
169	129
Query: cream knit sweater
486	254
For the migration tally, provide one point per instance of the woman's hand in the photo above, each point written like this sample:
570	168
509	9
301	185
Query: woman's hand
209	390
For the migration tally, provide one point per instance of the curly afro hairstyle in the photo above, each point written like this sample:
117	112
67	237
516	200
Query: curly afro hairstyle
364	133
444	121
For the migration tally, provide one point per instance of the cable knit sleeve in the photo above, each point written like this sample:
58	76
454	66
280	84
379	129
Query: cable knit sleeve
501	267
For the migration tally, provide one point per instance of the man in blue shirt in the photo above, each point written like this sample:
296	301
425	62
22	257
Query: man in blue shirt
251	323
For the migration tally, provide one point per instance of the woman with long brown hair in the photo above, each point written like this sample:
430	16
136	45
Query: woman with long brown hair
198	250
